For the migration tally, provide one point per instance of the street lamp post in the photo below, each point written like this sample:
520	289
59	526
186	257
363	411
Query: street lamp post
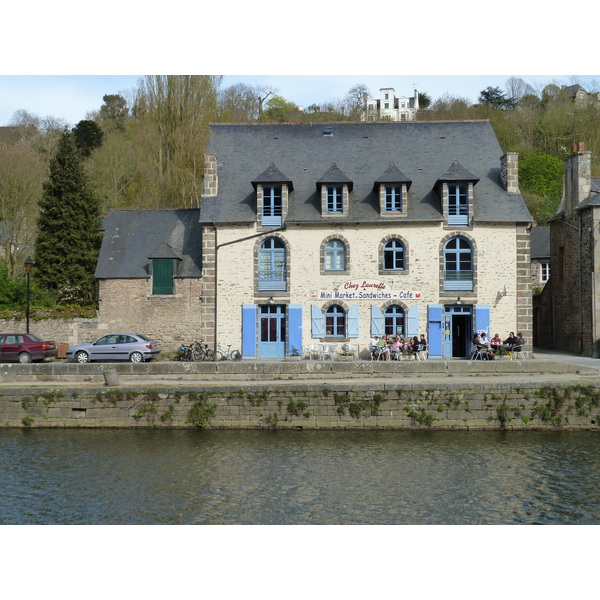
28	264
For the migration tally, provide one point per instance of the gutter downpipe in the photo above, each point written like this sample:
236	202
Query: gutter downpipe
217	248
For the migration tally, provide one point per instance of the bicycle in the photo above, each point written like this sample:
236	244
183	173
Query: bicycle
201	352
228	354
195	352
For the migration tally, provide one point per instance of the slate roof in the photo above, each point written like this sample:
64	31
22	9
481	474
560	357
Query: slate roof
133	237
540	243
422	151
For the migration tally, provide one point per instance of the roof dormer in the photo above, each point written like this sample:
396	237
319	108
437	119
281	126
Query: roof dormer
272	195
456	194
392	188
335	188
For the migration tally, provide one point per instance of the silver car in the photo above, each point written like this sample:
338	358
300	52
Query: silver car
133	347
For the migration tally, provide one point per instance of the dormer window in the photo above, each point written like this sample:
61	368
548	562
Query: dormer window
272	207
392	188
393	198
456	194
272	191
335	188
458	204
335	199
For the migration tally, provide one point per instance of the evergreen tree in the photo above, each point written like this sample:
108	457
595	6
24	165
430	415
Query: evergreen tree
68	238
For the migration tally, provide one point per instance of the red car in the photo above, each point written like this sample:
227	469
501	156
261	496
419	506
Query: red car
25	347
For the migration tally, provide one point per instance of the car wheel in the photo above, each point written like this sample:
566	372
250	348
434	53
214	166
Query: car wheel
82	357
136	357
24	357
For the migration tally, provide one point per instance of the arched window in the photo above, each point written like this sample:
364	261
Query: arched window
393	320
393	256
458	265
335	321
335	256
272	266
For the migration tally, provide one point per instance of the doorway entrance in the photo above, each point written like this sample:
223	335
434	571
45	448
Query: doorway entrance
271	331
458	330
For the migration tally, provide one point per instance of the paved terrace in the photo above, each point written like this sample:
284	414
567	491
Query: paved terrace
543	367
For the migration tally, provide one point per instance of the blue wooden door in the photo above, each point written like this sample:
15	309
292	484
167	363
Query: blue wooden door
271	328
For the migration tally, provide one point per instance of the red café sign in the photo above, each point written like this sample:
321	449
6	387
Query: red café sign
365	289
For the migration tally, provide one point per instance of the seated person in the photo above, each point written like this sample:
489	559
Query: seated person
373	345
383	348
520	340
422	343
511	341
395	347
496	340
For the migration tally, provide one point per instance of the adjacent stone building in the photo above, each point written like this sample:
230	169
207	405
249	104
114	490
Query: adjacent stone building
334	233
568	310
150	275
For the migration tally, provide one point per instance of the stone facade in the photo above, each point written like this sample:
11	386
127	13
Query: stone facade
128	305
568	307
306	406
331	279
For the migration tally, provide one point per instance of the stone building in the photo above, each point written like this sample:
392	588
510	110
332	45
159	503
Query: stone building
390	107
540	256
334	233
149	274
568	310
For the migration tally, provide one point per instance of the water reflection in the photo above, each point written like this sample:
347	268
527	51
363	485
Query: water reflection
298	477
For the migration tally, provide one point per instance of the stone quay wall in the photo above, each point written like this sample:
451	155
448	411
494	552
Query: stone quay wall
308	405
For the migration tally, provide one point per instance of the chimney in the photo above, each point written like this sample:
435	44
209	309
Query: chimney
210	183
578	177
509	164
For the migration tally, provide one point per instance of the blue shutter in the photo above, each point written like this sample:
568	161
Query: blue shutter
376	321
316	319
294	328
249	330
435	313
353	321
413	321
482	318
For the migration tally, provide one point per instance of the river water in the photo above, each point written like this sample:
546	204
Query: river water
298	477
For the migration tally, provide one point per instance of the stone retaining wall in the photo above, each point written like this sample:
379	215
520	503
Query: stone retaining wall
340	405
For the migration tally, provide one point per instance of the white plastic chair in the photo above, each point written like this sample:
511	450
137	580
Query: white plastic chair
312	350
328	350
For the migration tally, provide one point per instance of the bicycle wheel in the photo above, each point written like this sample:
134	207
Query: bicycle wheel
236	355
209	354
221	355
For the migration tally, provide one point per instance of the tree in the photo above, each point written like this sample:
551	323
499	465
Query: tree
541	181
280	110
114	112
68	236
22	171
173	115
356	100
88	136
424	100
517	88
494	97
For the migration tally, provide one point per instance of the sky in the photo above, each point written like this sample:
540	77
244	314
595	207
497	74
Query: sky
65	70
72	97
